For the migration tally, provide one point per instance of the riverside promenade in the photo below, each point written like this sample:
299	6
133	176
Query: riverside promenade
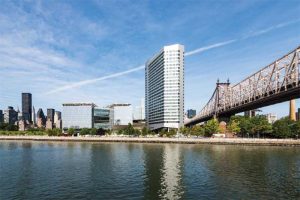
229	141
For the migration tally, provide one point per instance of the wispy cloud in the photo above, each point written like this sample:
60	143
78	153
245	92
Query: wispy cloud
202	49
189	53
81	83
277	26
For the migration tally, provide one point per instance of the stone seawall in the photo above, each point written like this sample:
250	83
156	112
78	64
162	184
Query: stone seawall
229	141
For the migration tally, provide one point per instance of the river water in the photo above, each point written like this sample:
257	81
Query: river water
61	170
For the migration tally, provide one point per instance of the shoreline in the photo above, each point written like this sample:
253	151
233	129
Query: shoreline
103	139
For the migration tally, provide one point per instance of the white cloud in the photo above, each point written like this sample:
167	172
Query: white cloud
189	53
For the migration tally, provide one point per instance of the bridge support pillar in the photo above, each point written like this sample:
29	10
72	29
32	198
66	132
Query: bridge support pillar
293	110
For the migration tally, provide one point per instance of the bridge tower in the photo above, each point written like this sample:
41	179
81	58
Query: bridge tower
222	90
293	110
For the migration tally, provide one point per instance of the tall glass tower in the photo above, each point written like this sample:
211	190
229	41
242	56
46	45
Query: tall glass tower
27	106
164	88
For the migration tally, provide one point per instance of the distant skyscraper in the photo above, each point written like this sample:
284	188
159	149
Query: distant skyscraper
50	114
33	116
57	116
191	113
164	87
41	119
1	116
10	115
27	106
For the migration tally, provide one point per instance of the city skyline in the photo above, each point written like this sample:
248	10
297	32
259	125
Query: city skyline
106	56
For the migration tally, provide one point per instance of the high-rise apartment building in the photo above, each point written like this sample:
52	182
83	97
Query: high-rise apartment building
27	106
164	88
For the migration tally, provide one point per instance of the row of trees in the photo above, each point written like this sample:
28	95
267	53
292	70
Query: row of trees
258	126
8	127
205	130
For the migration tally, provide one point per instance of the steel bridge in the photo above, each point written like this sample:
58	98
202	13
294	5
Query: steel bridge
275	83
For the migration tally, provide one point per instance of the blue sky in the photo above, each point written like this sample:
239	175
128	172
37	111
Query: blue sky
63	51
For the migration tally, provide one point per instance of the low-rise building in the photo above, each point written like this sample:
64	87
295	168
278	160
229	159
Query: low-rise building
78	115
102	118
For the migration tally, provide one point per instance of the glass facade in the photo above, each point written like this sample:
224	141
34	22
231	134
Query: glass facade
191	113
27	106
78	115
101	118
50	114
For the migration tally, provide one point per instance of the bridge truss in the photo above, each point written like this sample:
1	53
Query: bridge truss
275	83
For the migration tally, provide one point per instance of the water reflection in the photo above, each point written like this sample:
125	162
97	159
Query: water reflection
49	170
163	170
172	188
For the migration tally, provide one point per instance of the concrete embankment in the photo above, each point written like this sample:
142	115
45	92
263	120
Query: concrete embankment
231	141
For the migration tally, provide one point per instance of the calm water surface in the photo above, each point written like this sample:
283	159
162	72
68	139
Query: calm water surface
58	170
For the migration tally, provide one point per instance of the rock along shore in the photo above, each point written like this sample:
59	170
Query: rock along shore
230	141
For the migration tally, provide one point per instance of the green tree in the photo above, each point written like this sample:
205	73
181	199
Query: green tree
162	132
244	124
137	132
282	128
53	132
197	131
93	131
171	133
71	131
129	130
260	125
84	131
183	130
145	131
234	126
211	127
295	127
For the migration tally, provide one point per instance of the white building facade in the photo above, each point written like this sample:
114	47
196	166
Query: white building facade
271	117
78	115
164	88
121	114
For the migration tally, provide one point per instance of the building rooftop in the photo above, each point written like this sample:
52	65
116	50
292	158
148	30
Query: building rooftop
119	104
79	104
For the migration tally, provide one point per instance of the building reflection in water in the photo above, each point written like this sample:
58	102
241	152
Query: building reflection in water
163	170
